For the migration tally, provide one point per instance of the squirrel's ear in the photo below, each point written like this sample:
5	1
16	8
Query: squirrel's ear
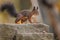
37	8
34	8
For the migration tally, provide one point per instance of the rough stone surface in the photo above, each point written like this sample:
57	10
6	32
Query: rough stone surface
25	32
41	36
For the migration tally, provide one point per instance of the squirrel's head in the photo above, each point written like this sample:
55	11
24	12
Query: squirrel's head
35	10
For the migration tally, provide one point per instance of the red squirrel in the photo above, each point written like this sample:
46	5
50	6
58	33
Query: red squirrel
26	15
22	16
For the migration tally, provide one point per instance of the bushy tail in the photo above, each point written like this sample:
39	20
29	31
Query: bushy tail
10	9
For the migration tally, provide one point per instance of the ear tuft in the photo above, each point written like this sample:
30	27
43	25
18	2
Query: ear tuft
34	8
37	7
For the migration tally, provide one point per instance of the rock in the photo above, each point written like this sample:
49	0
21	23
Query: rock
38	36
25	32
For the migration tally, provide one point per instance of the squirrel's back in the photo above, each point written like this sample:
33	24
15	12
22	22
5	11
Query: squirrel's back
25	12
